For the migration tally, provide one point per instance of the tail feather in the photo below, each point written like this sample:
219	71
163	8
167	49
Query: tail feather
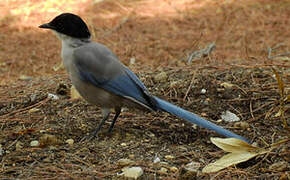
193	118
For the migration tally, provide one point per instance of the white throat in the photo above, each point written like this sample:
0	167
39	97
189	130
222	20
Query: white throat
71	41
68	44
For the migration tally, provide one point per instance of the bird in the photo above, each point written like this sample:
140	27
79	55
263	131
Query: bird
103	80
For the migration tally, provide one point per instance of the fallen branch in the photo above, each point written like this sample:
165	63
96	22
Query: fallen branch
26	108
201	53
270	50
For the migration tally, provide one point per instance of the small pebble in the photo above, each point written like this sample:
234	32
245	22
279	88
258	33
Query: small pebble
175	84
123	144
132	61
203	91
131	156
164	163
34	143
133	172
156	160
49	140
242	125
173	169
229	117
227	85
161	77
163	170
169	157
220	89
32	110
124	162
206	102
19	146
52	96
192	166
219	120
279	166
42	131
70	141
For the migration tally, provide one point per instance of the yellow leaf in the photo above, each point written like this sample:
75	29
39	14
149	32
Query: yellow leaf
278	114
233	145
227	85
58	67
228	160
74	94
240	152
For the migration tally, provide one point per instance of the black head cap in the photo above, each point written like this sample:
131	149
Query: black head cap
69	24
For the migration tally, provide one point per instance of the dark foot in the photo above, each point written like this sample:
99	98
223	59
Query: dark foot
95	132
91	136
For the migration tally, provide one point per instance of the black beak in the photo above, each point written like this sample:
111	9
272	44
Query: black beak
46	26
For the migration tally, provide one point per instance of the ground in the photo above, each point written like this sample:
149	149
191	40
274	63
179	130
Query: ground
151	37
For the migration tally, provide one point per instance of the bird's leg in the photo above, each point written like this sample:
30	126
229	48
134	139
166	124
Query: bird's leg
106	114
118	111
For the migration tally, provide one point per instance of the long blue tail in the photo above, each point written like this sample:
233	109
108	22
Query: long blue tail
193	118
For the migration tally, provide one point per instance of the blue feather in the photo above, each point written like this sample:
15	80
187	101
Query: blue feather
195	119
121	86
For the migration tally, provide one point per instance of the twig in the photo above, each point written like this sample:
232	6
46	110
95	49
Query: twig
251	109
201	53
14	142
270	50
189	87
26	108
278	55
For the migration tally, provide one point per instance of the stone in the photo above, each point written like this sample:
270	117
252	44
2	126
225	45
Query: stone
163	170
192	166
173	169
124	162
169	157
279	166
70	141
34	143
161	77
133	172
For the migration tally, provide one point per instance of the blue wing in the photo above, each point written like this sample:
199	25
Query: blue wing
125	85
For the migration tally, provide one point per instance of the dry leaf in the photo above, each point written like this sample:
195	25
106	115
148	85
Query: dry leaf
74	94
227	85
240	152
228	160
233	145
279	113
58	67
